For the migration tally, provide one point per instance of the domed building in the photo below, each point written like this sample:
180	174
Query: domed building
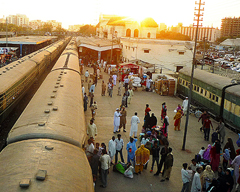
112	26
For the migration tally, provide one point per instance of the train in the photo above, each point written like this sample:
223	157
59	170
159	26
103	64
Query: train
219	95
44	149
17	77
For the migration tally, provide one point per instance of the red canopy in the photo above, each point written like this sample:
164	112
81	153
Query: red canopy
129	66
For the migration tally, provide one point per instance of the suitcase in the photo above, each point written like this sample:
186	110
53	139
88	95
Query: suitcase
214	136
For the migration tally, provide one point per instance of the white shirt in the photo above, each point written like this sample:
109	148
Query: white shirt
105	161
196	183
201	152
89	149
119	144
185	104
86	74
112	147
134	123
144	141
185	176
116	121
83	90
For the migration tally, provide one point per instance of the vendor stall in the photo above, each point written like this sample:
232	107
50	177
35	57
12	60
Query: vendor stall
128	68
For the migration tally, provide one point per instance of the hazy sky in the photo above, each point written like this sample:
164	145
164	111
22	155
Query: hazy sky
170	12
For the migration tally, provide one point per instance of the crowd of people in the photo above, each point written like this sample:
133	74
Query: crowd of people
210	170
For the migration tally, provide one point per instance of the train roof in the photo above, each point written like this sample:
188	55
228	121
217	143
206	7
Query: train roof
207	77
234	90
65	167
13	72
27	39
55	111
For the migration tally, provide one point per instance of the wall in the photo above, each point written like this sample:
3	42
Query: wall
163	53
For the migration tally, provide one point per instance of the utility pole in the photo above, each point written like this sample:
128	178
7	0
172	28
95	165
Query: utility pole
204	52
112	29
198	19
6	33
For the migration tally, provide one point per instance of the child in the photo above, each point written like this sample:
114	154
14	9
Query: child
202	150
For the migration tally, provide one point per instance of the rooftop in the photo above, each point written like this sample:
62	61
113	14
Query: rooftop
27	39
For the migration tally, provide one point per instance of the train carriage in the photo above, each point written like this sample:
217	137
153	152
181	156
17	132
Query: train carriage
42	165
44	151
17	77
208	91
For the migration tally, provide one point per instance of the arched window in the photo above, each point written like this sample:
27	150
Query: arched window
148	35
136	33
128	33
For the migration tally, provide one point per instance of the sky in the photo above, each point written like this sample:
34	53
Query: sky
170	12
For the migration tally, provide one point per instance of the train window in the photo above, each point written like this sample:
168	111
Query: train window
213	97
183	82
210	95
180	80
186	83
216	98
201	90
205	92
197	89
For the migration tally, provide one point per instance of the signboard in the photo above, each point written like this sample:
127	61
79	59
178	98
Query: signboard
6	50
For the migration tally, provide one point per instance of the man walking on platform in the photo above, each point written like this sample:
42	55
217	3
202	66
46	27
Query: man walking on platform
130	91
86	75
134	125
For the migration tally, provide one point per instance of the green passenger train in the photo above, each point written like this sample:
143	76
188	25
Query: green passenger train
216	93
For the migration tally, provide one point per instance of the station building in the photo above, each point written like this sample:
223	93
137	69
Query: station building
169	54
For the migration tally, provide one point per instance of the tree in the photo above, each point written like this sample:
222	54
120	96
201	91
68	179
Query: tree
88	30
47	27
221	39
172	36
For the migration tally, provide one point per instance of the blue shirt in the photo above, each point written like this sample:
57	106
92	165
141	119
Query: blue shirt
133	147
92	88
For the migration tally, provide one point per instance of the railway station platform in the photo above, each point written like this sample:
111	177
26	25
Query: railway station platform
146	181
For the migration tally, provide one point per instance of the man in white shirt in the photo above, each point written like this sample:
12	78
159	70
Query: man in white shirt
134	125
105	165
119	147
116	121
83	90
92	129
86	76
185	105
112	148
185	178
196	183
114	79
89	149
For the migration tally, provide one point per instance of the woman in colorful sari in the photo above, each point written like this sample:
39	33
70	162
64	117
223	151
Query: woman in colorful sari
177	122
141	158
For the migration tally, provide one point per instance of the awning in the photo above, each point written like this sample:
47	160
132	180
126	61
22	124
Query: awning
98	48
129	66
